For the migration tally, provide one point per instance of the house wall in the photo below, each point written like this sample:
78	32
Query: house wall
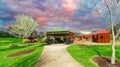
101	38
95	38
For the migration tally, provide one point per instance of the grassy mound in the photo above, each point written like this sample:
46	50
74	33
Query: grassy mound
27	60
84	54
7	41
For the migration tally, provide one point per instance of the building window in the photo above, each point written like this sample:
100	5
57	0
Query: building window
101	37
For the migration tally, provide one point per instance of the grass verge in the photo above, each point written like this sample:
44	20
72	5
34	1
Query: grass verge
8	41
84	54
27	60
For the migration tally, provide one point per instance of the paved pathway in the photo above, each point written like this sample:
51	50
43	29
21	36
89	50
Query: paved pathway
56	56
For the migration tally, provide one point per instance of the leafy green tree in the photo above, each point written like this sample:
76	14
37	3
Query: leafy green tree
4	34
24	26
1	33
34	33
41	34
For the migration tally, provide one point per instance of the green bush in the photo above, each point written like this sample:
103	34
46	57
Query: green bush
30	40
13	45
44	40
36	40
25	41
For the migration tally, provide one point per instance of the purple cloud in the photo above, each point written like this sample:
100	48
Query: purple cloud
52	13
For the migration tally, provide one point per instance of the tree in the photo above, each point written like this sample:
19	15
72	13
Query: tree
34	33
4	34
77	34
111	9
23	27
116	28
41	34
1	33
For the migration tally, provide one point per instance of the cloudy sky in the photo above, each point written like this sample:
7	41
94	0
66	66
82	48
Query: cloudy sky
74	15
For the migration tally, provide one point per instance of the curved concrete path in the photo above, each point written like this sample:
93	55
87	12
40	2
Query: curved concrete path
56	55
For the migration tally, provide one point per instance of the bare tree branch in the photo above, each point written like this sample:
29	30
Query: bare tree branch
118	32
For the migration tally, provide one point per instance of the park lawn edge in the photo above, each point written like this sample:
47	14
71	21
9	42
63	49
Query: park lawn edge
28	60
76	58
70	51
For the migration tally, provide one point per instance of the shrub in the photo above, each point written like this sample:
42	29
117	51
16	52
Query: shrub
44	39
31	39
25	41
36	39
13	46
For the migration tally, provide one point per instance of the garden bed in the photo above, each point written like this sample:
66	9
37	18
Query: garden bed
84	55
23	59
105	62
20	53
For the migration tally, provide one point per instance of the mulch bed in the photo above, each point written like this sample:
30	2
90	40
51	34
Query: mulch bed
20	53
105	62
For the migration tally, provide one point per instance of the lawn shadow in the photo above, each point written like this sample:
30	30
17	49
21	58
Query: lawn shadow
101	55
94	49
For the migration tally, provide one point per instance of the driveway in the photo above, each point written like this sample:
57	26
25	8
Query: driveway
56	55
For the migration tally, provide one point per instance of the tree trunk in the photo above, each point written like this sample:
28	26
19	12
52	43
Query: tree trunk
113	46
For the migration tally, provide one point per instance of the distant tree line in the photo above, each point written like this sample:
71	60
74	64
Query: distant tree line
24	27
4	34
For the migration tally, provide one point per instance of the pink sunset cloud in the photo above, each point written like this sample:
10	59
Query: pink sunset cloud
41	19
63	13
6	27
52	13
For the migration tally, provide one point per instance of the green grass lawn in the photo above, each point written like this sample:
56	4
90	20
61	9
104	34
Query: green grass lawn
27	60
85	54
7	41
